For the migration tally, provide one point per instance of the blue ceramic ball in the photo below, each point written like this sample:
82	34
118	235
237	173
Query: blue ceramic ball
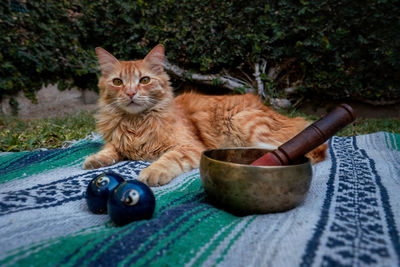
99	189
131	201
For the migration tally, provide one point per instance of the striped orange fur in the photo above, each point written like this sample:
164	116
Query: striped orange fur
141	120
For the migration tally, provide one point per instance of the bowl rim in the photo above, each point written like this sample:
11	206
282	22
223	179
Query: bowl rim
308	161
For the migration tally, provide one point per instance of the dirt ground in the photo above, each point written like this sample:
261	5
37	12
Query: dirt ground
51	103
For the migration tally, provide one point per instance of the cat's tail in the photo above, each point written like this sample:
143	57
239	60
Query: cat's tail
318	154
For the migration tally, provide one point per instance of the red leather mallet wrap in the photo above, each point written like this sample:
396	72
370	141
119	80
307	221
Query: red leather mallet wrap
308	139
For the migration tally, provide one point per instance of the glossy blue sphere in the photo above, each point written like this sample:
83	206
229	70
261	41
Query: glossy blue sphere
99	189
131	201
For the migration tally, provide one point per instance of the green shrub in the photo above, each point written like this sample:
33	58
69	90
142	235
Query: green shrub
339	49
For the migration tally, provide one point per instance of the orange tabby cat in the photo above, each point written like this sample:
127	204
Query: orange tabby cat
141	120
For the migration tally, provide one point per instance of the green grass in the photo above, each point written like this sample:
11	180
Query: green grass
365	126
20	135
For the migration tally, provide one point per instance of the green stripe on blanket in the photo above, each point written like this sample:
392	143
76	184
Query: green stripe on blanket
22	164
393	141
351	215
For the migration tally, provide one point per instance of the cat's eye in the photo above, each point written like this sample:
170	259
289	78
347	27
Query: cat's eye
117	81
144	80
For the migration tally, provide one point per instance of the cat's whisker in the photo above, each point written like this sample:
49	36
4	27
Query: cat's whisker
112	107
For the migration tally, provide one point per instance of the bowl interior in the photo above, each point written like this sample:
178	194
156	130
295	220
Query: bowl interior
241	155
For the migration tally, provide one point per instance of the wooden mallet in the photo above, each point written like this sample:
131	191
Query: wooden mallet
308	139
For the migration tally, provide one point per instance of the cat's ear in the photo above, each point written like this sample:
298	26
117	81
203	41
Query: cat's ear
107	61
155	59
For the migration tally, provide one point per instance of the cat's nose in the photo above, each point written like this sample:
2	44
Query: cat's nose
130	93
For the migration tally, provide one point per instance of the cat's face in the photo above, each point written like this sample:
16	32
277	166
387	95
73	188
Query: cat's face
134	86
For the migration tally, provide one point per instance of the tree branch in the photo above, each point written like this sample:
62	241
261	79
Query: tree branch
274	72
232	83
260	84
210	79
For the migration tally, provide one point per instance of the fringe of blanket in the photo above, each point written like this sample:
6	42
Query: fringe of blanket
93	136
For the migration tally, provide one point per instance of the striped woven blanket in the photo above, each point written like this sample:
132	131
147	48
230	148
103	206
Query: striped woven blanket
351	215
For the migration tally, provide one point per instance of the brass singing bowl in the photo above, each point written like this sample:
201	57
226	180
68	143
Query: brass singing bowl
233	185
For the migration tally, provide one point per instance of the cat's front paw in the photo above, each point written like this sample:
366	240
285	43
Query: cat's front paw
97	161
155	176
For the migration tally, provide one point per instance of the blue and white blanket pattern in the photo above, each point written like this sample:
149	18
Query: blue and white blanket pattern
350	217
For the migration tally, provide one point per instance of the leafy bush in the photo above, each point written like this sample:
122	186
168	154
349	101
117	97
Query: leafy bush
338	49
42	46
